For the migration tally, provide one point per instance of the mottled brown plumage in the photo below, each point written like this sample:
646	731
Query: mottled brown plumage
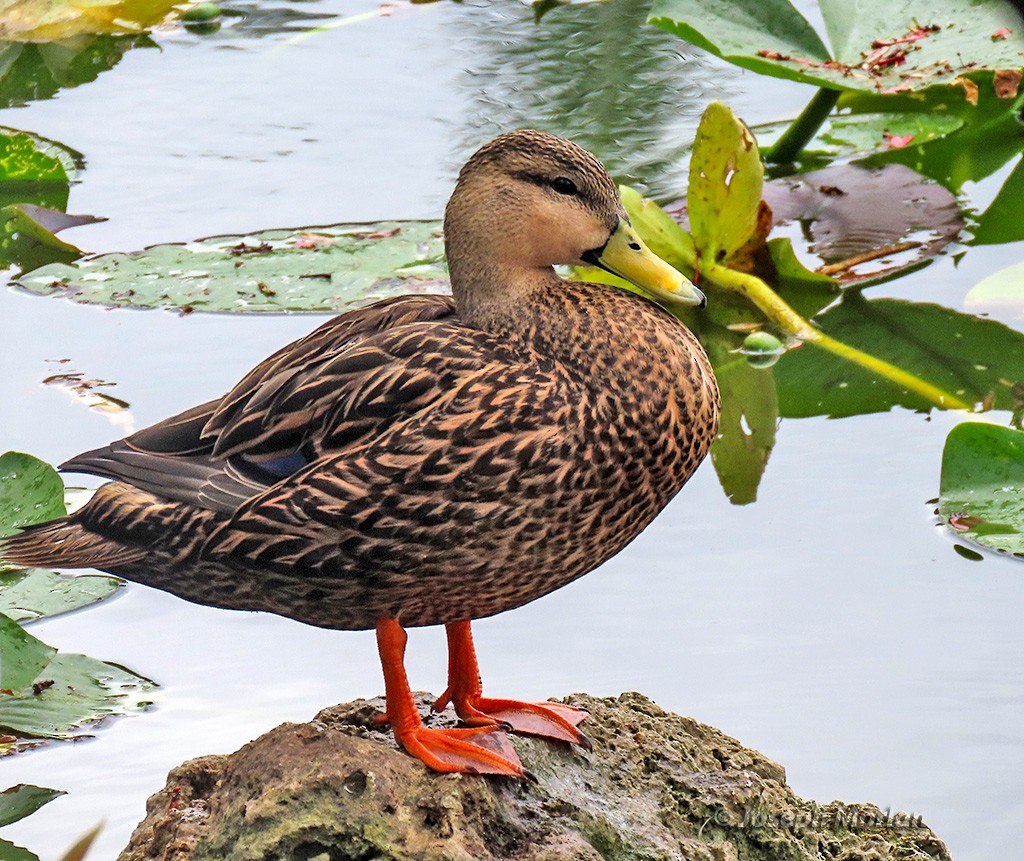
426	459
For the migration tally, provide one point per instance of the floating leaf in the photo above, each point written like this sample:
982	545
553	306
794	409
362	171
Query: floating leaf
27	236
977	360
21	800
724	196
10	852
878	47
313	269
1003	221
31	491
55	20
33	594
22	161
982	485
69	690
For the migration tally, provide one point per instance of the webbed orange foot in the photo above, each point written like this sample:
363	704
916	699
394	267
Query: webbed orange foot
475	750
465	693
547	720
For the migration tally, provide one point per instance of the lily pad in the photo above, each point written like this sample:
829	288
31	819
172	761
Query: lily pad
982	488
885	46
1003	221
33	594
31	492
310	269
977	360
52	695
21	800
27	237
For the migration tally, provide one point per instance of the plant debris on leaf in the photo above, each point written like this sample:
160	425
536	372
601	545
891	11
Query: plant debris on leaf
884	47
53	695
311	269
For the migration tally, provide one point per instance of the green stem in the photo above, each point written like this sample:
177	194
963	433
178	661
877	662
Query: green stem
803	128
782	315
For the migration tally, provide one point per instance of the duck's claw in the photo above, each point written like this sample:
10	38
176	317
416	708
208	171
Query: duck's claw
473	750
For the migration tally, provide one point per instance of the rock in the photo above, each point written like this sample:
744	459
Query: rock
658	786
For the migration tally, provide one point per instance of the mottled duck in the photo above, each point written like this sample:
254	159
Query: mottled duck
429	460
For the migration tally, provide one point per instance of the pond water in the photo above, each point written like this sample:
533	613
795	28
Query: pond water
830	624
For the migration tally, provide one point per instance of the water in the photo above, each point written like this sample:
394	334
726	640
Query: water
830	624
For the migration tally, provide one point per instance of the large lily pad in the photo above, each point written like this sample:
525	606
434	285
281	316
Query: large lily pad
977	360
879	46
312	269
54	695
31	492
982	489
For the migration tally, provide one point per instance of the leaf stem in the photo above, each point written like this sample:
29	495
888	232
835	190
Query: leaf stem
803	128
782	315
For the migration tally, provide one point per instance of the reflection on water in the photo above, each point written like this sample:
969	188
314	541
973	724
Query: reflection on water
596	74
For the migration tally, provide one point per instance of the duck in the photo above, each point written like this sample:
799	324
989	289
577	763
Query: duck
429	459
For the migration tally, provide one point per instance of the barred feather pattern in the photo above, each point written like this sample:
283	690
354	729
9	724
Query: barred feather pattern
452	472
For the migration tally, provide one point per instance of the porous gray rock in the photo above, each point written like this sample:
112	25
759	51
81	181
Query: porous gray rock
658	787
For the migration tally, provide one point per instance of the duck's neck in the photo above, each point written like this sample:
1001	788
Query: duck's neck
491	294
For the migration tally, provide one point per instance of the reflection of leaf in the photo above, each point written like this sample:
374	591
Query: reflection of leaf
746	431
846	210
879	46
316	269
30	492
21	800
83	690
974	359
982	488
30	72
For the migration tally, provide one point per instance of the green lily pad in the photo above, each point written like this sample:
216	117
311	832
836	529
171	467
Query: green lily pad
975	359
1003	221
21	800
981	494
311	269
33	594
52	695
31	491
880	46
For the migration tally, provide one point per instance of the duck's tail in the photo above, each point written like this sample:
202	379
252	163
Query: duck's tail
65	543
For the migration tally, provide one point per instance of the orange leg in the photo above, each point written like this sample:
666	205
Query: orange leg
465	692
479	750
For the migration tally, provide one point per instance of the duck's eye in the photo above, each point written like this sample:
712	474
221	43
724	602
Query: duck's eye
564	185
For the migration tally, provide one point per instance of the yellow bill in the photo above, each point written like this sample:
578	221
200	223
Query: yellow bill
626	255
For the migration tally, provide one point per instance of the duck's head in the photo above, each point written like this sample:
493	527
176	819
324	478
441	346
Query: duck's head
528	201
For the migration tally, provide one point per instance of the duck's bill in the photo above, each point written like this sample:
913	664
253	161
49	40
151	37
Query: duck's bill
626	255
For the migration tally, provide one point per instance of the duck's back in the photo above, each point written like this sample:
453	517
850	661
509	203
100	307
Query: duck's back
399	461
